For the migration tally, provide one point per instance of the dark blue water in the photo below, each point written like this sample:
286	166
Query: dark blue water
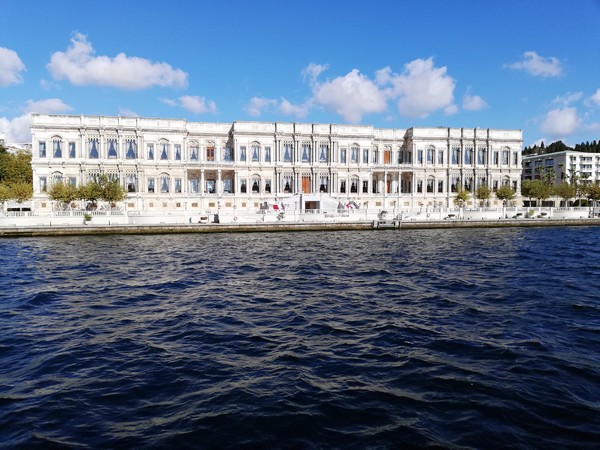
398	339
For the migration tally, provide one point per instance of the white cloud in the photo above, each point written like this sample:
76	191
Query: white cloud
259	104
568	98
312	72
290	109
11	67
80	66
594	100
198	105
560	122
421	89
48	106
17	129
351	96
473	103
192	103
124	112
538	66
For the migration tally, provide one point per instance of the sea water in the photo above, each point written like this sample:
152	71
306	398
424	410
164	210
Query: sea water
463	338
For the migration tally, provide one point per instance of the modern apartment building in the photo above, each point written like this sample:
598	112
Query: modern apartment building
176	165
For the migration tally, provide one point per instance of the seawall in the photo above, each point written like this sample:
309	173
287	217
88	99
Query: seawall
80	230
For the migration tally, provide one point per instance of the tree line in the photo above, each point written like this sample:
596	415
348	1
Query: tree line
571	186
560	146
16	176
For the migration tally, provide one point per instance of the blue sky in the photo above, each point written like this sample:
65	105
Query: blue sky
515	64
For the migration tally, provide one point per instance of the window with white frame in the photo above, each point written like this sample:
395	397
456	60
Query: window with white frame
430	154
178	185
243	153
354	154
268	154
150	152
164	151
440	154
323	151
57	148
305	152
72	151
255	152
365	158
469	156
130	149
343	155
194	153
481	156
164	183
42	149
93	148
455	154
178	153
112	148
287	152
151	185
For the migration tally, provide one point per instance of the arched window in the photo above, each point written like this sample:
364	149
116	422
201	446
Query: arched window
57	147
375	155
430	184
57	178
255	152
163	147
164	183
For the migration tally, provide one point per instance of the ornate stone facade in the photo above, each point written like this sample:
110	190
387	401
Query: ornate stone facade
173	164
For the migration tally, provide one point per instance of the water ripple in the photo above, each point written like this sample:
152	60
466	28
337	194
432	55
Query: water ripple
425	338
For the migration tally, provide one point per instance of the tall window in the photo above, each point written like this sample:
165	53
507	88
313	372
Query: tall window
375	155
194	185
505	157
430	153
496	159
43	184
365	158
164	183
420	186
93	148
194	153
287	152
305	152
468	156
365	186
354	185
178	153
343	186
440	186
455	183
255	184
131	149
343	155
72	153
164	153
354	154
267	185
151	151
131	181
112	148
515	158
455	154
227	155
178	185
323	183
243	187
57	153
255	151
151	185
288	183
210	152
268	154
430	185
440	159
42	149
323	150
481	156
243	153
419	156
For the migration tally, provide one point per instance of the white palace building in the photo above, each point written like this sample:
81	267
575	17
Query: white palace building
192	167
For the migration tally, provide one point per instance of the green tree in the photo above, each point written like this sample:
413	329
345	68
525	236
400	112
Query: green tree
65	194
483	193
90	192
462	195
15	168
593	192
505	193
21	191
566	191
5	193
112	191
